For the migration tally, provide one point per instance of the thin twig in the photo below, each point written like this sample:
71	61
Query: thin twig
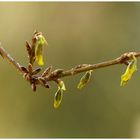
7	56
123	59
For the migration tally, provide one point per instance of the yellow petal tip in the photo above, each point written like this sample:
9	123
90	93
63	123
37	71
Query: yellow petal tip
40	63
80	86
56	105
39	60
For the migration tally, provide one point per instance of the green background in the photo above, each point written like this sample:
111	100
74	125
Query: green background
76	33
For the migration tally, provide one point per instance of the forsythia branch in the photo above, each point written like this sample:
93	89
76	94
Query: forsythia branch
35	54
59	73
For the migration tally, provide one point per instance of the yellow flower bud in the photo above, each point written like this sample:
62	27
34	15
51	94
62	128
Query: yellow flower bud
39	48
58	98
85	79
131	68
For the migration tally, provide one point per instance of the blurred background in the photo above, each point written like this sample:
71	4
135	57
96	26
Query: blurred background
77	33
